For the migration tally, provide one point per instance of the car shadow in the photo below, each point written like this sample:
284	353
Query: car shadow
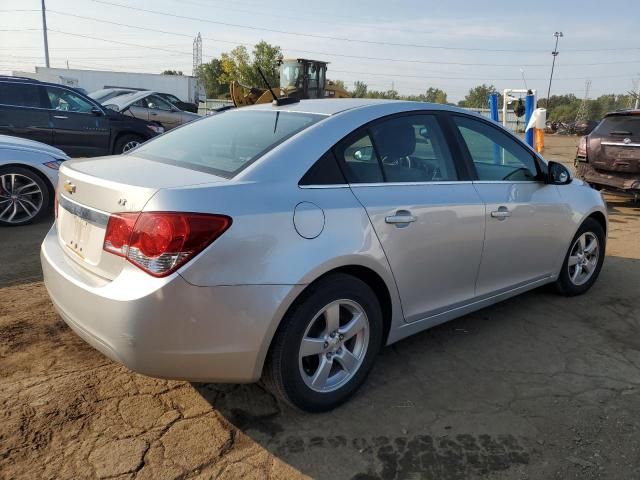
464	399
20	251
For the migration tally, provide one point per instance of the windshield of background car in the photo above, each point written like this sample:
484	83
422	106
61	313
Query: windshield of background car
619	125
228	142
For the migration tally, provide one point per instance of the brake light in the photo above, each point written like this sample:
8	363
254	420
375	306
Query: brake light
582	147
161	242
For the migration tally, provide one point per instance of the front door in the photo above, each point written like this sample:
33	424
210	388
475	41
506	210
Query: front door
162	112
77	129
429	220
523	213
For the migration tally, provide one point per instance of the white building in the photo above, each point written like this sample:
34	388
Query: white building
182	86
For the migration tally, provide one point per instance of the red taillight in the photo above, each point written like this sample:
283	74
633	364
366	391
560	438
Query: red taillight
161	242
582	147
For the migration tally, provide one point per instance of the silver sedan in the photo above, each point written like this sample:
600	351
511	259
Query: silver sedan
291	243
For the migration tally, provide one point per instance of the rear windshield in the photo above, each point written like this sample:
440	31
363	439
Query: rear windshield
225	143
620	125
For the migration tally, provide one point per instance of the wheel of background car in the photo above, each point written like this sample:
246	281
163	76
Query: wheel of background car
584	259
24	196
126	143
326	344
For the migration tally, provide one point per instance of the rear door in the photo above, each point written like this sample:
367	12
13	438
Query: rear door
23	111
77	130
426	214
523	214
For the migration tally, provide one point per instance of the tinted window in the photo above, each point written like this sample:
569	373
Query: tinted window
413	149
618	125
324	172
19	94
360	159
495	154
226	143
64	100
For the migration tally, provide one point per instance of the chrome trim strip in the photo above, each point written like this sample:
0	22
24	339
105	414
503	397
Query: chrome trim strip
89	214
336	185
615	144
403	184
506	181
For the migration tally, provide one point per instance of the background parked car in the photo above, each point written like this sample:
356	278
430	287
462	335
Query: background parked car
102	96
609	157
28	175
151	107
67	119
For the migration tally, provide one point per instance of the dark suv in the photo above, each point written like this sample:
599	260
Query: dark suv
609	157
65	118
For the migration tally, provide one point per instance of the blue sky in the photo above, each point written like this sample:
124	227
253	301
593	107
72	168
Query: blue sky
601	44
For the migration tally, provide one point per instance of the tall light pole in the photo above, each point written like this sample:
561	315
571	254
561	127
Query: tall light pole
44	31
553	64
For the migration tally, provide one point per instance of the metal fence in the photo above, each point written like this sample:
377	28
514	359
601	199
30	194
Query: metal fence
515	124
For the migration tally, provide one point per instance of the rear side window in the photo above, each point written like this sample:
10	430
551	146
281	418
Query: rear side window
619	125
360	159
228	142
20	95
324	172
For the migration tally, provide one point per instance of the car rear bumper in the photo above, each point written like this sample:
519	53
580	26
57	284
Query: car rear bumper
166	327
615	180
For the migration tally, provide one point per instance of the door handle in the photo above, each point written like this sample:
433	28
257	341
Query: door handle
501	213
61	117
401	217
154	114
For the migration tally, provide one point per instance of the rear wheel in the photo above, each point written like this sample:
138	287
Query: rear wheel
126	143
326	345
24	196
584	259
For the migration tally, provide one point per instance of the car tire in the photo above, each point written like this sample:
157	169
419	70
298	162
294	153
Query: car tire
126	142
343	357
24	196
583	261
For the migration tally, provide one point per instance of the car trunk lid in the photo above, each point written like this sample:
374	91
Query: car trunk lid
90	190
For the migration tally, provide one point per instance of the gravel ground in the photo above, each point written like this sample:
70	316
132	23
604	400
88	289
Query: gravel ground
538	387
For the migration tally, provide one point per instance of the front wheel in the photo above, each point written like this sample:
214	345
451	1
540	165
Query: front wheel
584	259
126	143
326	344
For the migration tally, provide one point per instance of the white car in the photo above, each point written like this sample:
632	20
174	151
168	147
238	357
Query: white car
28	175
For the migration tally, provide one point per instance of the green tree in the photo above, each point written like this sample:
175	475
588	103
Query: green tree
435	95
209	74
339	84
359	89
239	65
478	97
172	72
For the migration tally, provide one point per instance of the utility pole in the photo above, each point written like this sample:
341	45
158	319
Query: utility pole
44	31
553	64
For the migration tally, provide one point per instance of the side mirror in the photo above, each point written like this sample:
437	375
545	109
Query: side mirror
363	154
558	174
96	111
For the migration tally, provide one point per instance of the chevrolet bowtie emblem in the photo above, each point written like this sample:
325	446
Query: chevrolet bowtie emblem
69	187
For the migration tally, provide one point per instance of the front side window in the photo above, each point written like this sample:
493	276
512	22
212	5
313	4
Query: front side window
412	148
63	100
226	143
496	156
157	103
20	95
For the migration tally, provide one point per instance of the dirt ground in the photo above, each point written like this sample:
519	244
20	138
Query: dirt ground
538	387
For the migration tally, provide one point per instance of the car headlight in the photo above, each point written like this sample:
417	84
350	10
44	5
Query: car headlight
156	128
55	165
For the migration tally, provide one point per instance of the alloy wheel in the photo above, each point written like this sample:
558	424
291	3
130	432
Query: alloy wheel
130	145
583	258
21	198
334	346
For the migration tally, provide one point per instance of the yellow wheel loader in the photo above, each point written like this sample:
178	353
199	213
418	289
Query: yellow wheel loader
299	78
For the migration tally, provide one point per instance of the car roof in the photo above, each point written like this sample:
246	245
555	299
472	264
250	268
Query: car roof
332	106
620	113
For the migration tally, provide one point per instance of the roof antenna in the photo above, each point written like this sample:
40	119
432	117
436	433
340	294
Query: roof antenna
277	102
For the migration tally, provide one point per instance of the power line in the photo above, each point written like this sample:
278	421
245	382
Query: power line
312	35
